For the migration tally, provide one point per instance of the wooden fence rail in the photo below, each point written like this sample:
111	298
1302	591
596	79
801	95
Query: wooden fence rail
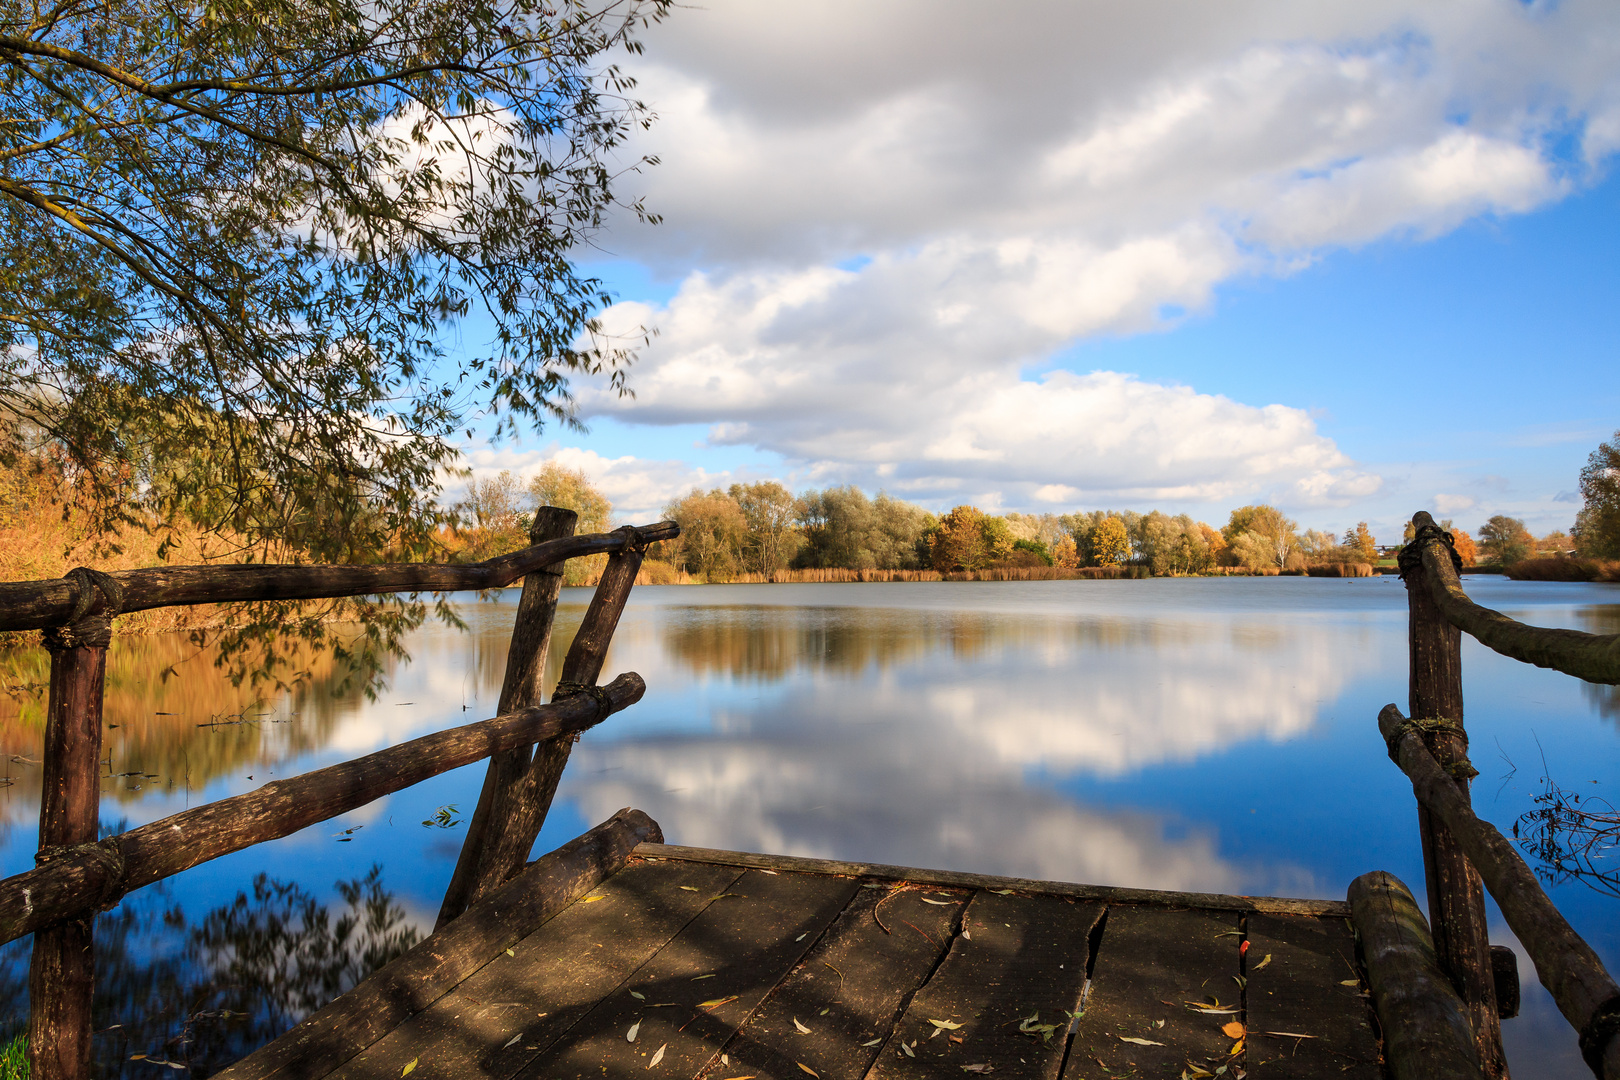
35	605
527	742
1593	657
72	881
1565	963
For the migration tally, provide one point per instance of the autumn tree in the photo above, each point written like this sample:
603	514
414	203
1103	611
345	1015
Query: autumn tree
557	485
969	539
1505	540
240	236
1360	543
1463	544
1110	542
1174	545
844	528
713	534
1597	526
1261	535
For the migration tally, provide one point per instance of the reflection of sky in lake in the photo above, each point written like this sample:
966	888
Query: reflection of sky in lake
1206	734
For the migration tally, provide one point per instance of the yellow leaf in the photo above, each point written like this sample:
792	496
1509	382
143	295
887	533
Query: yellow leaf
800	1028
1237	1048
1262	963
409	1066
715	1003
808	1069
1349	982
689	888
592	899
947	1024
509	952
1234	1030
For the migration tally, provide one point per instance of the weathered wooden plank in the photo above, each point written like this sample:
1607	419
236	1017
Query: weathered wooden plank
33	605
1303	979
1427	1035
713	974
553	978
1018	962
1151	966
849	990
403	988
485	863
161	848
957	879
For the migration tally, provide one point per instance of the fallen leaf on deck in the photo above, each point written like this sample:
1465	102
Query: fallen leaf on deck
1030	1026
873	1042
808	1069
514	1039
1262	963
409	1066
1138	1042
1234	1030
982	1067
638	995
908	1051
967	935
802	936
592	899
509	952
723	895
715	1003
635	1029
948	1025
800	1028
708	976
1237	1048
658	1056
137	1057
1002	892
1349	982
689	888
941	903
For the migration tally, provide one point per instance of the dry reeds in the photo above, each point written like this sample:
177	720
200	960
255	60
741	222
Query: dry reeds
1340	569
1563	568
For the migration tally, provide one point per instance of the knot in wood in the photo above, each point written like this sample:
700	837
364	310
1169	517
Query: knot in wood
1598	1032
633	540
1420	726
84	628
1410	558
571	689
106	854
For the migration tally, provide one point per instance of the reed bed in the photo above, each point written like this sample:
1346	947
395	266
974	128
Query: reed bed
1564	568
1340	569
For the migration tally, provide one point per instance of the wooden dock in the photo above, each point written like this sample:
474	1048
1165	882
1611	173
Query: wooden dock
684	962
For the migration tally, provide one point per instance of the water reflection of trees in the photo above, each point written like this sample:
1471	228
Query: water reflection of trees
172	718
1602	619
201	995
771	643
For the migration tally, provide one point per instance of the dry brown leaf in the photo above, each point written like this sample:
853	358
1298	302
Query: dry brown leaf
808	1069
1138	1042
1234	1030
657	1056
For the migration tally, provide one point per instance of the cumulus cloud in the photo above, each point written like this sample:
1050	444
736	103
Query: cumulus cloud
902	214
638	488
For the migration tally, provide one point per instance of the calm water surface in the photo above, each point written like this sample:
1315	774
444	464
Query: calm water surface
1202	734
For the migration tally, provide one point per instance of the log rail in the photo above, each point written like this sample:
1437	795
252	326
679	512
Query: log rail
1462	855
527	743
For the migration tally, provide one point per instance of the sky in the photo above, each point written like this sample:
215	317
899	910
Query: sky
1352	259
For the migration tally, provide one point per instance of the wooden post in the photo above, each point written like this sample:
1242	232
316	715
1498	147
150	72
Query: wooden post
1456	894
581	668
522	686
61	974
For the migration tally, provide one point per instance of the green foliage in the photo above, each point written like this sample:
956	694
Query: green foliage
237	235
1597	527
969	539
843	528
1035	548
1504	540
1175	545
14	1058
771	513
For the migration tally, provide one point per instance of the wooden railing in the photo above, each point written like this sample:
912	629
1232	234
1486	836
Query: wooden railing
1463	855
527	745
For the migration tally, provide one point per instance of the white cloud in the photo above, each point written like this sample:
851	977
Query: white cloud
638	488
1058	172
1454	504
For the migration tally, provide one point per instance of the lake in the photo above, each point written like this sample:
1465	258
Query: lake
1211	734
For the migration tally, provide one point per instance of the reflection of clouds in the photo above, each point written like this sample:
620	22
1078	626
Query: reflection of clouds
831	800
906	736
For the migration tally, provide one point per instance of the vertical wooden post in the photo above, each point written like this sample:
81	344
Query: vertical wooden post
1456	894
522	686
61	974
533	792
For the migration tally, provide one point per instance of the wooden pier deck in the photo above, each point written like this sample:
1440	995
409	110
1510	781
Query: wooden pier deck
682	962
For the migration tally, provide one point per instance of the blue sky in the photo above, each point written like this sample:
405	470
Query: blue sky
1355	260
